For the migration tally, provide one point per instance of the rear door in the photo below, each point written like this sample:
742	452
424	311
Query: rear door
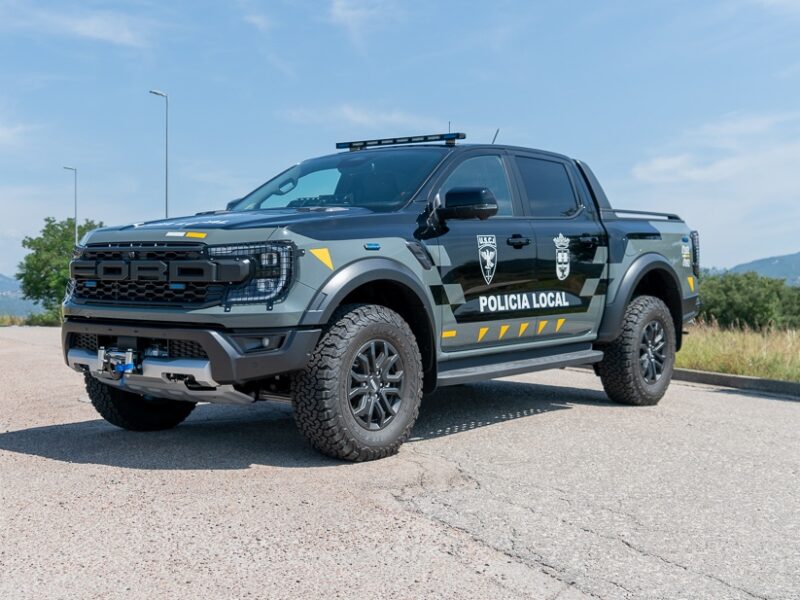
485	266
571	247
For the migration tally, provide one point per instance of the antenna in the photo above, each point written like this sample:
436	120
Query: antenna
448	127
495	135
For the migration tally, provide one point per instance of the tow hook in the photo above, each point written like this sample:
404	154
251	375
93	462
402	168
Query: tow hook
116	363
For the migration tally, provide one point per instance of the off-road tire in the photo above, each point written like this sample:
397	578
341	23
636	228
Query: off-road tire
621	369
322	408
134	412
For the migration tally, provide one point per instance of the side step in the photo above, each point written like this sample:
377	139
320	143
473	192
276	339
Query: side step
453	374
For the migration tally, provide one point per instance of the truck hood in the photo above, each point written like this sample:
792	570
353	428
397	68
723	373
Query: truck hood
252	219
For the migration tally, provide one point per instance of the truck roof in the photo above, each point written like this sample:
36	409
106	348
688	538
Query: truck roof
460	148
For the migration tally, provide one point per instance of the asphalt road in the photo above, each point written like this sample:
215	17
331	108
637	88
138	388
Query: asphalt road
531	487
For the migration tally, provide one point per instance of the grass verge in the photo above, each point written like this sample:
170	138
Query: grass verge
769	354
45	319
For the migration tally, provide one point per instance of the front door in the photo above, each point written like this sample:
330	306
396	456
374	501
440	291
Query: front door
571	247
485	266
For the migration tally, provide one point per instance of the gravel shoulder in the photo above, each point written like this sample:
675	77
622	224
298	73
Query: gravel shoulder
529	487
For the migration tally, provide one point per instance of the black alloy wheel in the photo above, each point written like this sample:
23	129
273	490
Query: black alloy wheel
652	351
376	384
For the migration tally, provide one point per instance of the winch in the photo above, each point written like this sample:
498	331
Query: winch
116	363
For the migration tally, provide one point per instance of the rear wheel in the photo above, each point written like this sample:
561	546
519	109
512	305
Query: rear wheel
133	411
637	366
359	395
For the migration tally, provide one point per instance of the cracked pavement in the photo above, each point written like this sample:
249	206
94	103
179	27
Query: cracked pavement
529	487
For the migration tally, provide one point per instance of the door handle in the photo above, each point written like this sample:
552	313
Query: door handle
589	240
517	241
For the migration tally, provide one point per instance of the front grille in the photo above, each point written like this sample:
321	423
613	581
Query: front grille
181	274
186	349
175	348
85	341
154	292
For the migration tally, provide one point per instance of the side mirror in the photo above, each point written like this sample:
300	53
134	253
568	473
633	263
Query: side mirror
468	203
232	203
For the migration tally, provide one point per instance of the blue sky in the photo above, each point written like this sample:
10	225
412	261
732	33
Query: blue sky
691	107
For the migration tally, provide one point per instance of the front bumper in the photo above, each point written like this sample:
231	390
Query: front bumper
227	361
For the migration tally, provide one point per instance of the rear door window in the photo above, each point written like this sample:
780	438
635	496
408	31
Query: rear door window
547	187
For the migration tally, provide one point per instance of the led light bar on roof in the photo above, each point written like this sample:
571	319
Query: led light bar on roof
448	138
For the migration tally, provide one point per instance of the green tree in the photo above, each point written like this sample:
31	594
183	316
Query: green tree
742	299
790	308
44	272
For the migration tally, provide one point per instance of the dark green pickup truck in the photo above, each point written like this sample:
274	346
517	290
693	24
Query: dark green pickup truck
352	284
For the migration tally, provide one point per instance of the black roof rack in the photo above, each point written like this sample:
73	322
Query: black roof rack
448	138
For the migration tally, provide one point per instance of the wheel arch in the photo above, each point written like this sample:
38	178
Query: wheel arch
388	283
649	275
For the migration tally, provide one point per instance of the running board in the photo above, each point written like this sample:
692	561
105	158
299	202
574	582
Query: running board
491	370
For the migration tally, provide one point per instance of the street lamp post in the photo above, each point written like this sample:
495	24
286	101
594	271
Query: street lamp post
75	193
166	149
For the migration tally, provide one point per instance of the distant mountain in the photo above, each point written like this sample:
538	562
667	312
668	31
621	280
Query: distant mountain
781	267
11	300
8	284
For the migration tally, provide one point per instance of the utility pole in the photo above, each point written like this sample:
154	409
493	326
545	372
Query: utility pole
166	149
75	193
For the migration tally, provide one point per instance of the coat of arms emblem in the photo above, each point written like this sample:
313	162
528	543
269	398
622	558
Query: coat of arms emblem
562	256
487	255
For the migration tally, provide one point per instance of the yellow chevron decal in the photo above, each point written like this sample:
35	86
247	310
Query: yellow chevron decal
542	325
503	329
482	332
522	328
690	279
450	333
559	323
323	255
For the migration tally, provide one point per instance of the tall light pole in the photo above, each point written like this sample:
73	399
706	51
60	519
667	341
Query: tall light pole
75	192
166	149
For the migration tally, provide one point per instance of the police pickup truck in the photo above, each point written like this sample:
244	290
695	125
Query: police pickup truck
352	284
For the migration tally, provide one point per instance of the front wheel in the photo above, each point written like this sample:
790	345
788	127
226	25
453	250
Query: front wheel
637	367
134	412
359	395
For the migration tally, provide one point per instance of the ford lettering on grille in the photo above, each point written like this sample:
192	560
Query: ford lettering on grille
182	271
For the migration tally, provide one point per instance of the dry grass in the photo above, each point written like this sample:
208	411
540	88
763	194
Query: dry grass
6	320
772	354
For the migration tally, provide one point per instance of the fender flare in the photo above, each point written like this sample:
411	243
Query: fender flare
614	313
345	280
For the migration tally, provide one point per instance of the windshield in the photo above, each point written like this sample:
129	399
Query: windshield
380	181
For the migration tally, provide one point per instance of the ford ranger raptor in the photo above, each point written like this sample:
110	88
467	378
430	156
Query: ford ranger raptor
352	284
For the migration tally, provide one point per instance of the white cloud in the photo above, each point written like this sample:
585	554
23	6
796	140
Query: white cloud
736	179
259	21
781	5
359	17
10	134
100	25
365	118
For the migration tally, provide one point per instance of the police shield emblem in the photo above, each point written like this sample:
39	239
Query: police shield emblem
487	256
562	256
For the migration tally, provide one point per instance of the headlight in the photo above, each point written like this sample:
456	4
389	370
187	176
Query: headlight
271	273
